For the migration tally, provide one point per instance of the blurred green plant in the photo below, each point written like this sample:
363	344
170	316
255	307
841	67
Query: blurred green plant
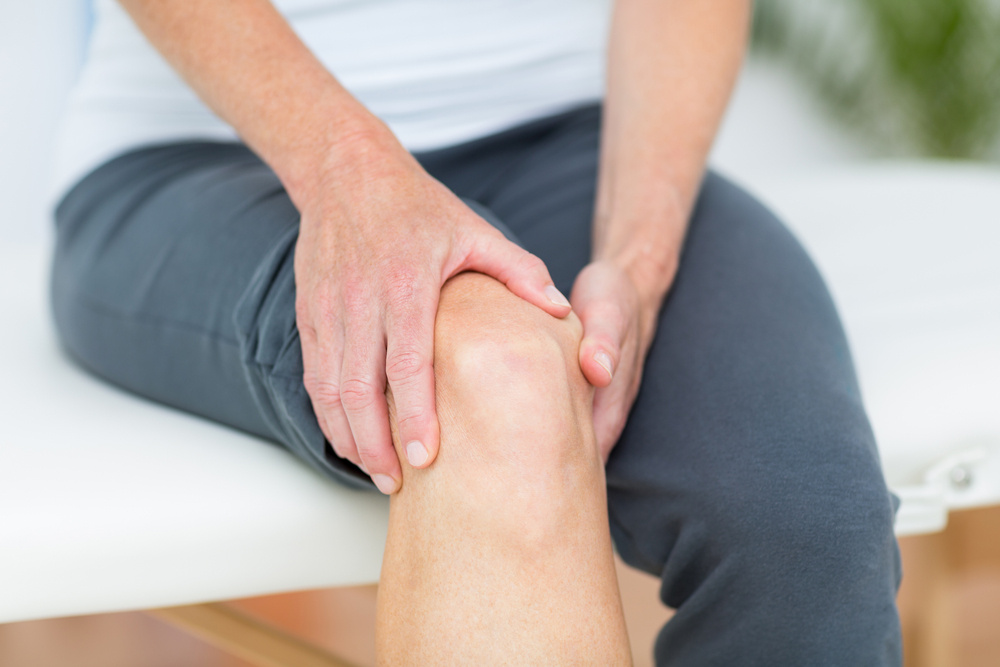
912	76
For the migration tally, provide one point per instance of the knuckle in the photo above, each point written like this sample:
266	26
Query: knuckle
401	287
400	277
405	364
356	298
605	344
325	393
352	456
358	393
481	242
600	331
613	311
318	299
604	317
413	421
356	304
342	450
530	263
376	458
373	456
311	382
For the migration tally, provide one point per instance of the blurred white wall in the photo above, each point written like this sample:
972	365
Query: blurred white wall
41	44
773	127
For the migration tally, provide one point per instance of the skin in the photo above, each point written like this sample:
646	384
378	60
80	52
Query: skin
384	325
500	552
671	70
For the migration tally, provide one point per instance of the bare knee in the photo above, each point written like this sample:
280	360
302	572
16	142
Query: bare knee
514	408
497	354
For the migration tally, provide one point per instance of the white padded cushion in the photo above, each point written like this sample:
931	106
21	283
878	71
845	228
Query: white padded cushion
109	502
912	255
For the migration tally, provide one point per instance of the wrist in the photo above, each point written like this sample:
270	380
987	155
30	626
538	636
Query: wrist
640	226
650	267
647	250
355	148
651	280
649	286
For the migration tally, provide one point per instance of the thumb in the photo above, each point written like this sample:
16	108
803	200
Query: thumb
603	332
524	274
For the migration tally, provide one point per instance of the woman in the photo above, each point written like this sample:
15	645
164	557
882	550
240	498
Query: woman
363	256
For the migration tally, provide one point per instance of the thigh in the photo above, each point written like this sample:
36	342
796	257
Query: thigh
747	476
173	277
749	401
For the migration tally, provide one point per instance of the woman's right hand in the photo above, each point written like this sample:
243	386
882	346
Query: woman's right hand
378	239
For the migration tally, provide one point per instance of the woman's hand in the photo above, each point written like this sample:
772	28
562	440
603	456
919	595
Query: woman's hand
670	71
617	332
378	239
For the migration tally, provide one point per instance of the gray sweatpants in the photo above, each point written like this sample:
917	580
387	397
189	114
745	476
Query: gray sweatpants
747	477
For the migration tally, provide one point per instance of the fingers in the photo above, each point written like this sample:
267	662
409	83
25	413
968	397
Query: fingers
523	273
604	330
322	364
362	393
409	369
347	366
349	401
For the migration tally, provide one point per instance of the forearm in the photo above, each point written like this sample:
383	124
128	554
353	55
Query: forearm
246	63
671	68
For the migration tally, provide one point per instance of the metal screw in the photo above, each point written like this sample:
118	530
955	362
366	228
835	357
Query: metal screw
961	477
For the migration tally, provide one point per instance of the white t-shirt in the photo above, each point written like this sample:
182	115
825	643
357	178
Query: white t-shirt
438	72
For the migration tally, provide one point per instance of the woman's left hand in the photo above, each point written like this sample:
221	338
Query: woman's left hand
617	332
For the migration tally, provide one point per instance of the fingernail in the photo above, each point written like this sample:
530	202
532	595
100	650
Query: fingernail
555	296
603	359
385	484
416	454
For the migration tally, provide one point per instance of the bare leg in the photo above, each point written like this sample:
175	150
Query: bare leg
499	552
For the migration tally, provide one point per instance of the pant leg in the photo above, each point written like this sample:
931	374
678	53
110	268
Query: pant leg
173	278
747	476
